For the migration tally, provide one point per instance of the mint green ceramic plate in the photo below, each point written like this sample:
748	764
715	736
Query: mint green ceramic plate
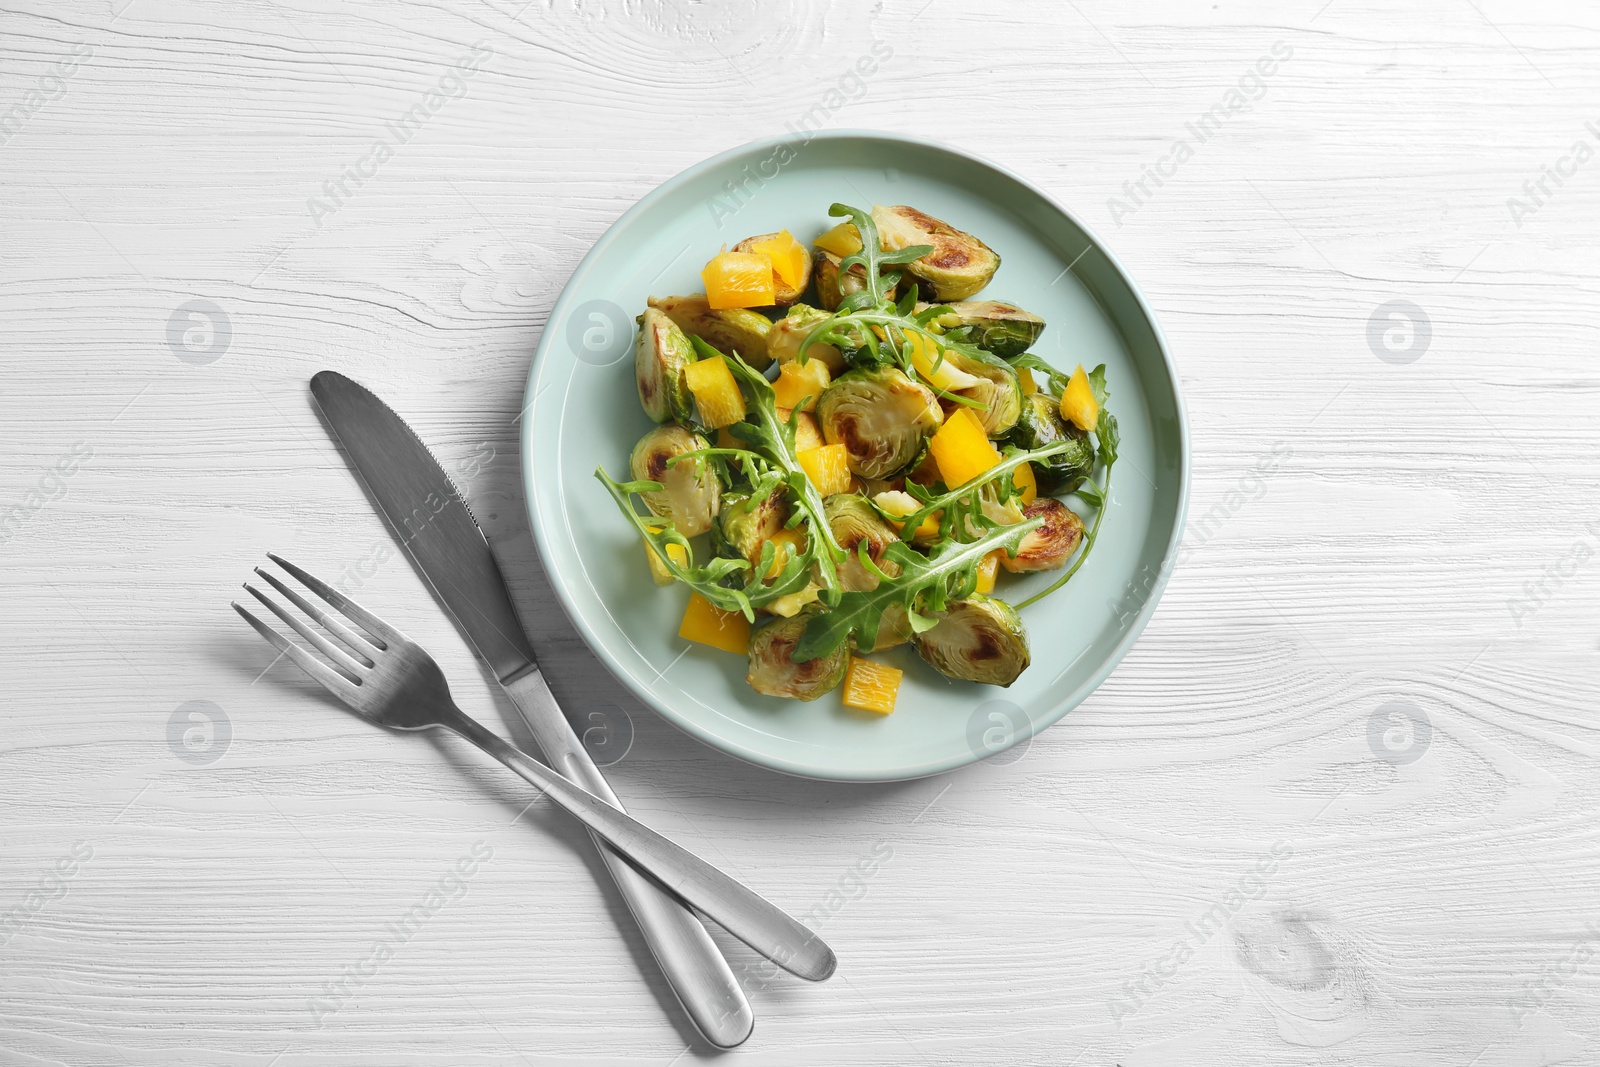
583	411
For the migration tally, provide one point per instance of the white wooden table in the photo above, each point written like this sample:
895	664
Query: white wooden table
1339	805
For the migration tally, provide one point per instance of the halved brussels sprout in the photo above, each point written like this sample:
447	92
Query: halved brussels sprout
959	264
732	330
999	391
893	628
880	416
783	293
690	493
1003	329
775	674
1051	543
979	639
855	522
832	287
747	524
659	356
790	332
1041	425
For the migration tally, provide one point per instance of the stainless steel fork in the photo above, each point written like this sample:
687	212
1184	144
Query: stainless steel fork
389	679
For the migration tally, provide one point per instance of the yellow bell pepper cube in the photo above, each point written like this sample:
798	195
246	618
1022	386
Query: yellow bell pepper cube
715	391
799	386
1029	386
658	569
784	544
988	567
710	625
896	502
843	240
828	468
787	255
1027	482
1078	405
738	280
871	686
940	374
961	448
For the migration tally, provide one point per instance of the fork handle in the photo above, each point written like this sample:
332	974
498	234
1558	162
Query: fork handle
734	906
687	955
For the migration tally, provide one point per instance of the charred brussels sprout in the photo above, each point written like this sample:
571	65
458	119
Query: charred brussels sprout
832	286
880	416
1051	543
979	639
690	494
1004	330
855	522
1041	425
774	672
959	264
659	356
998	391
746	523
732	330
790	332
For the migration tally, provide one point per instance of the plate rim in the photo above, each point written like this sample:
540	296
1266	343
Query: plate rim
542	534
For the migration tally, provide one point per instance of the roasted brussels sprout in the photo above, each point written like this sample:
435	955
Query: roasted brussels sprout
880	416
1051	543
1041	425
855	522
659	356
998	390
775	674
959	264
893	628
1002	329
690	493
789	332
833	287
746	523
784	294
733	330
979	639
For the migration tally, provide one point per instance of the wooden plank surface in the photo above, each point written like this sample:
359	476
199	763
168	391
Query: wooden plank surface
1338	805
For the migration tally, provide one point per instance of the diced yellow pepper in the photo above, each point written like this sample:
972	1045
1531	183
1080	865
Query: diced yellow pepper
788	257
709	625
715	391
799	386
828	468
961	448
843	240
725	439
988	567
938	374
807	434
896	502
739	280
658	570
784	543
1025	480
1078	405
871	686
1029	386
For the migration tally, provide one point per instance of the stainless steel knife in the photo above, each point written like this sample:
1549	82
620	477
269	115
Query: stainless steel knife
438	532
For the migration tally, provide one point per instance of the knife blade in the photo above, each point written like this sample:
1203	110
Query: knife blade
431	520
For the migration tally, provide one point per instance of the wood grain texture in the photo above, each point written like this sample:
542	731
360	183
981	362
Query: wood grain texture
1363	534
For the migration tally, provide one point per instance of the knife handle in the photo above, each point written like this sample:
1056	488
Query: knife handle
695	968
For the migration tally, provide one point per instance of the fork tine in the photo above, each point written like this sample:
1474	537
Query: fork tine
344	605
358	644
342	660
332	680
